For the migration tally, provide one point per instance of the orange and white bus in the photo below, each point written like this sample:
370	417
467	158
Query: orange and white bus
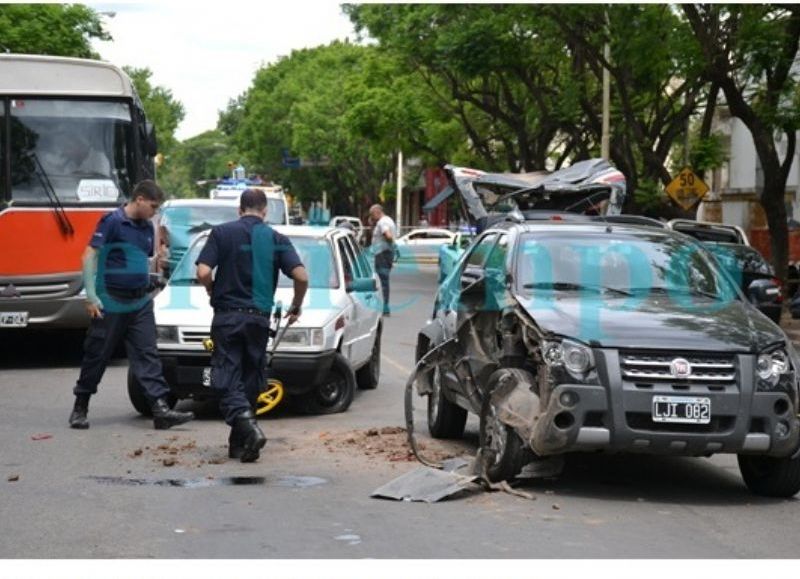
73	142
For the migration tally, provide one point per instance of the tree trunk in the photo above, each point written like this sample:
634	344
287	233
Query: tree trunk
772	200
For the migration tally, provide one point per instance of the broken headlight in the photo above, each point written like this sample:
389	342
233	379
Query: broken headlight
774	370
570	356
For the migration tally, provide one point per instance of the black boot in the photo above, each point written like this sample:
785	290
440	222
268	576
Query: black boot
235	444
245	429
78	418
164	417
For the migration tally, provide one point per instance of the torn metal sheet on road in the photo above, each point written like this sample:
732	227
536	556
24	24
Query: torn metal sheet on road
427	485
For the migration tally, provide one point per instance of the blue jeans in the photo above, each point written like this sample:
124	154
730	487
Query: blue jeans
383	266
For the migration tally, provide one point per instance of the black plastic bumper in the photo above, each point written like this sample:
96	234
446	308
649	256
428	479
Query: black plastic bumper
299	372
617	417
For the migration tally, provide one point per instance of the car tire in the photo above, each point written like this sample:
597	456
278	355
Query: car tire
368	376
336	393
445	419
139	399
769	476
501	447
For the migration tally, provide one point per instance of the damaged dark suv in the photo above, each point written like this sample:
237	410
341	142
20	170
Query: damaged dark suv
591	335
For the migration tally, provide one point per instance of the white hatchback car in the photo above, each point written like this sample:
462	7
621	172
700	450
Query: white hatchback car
333	348
422	245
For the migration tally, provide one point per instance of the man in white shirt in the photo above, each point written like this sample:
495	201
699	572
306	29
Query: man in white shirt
383	238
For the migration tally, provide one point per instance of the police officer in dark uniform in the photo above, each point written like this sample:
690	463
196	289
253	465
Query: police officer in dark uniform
248	255
117	280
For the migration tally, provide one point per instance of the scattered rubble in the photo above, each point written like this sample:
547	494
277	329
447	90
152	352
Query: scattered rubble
177	451
388	443
13	478
41	436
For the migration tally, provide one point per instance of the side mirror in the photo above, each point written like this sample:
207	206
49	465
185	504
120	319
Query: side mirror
361	284
763	291
151	143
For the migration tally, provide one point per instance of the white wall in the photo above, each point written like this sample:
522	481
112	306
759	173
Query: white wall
742	163
743	158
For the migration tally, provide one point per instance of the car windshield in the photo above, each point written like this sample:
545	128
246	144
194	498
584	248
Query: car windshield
626	265
318	259
197	217
314	253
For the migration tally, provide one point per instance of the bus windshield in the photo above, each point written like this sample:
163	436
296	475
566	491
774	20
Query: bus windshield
83	148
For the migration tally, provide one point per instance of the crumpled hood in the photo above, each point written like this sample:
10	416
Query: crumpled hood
655	322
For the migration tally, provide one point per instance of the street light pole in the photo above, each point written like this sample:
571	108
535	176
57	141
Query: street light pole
399	207
605	145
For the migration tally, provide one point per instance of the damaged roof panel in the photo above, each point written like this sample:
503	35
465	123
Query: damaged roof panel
540	189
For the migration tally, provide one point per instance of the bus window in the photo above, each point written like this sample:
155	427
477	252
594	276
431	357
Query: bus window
84	149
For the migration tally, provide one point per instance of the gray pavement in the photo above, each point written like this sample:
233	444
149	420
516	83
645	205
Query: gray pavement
92	494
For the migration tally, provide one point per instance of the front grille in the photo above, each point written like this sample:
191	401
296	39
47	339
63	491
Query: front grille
646	367
40	288
193	336
644	421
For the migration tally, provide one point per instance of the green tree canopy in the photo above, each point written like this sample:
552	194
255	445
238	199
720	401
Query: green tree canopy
344	108
199	159
524	81
55	29
162	109
749	51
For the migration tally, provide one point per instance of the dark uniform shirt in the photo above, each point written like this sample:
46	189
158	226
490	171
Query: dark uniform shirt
248	255
123	245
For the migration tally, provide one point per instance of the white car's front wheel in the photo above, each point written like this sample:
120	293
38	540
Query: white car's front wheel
335	393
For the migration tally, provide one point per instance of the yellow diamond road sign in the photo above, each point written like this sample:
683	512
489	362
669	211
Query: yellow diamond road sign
686	189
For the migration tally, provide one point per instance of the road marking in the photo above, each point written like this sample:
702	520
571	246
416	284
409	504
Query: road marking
396	364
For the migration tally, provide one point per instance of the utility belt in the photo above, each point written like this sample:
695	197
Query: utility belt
127	294
252	311
155	282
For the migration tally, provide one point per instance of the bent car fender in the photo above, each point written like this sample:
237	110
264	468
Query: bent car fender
434	354
515	402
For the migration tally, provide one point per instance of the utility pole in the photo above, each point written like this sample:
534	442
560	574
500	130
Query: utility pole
399	208
605	139
686	138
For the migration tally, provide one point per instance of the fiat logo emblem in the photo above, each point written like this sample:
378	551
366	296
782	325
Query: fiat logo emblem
680	368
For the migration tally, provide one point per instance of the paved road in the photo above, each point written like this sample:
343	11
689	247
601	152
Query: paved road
106	492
